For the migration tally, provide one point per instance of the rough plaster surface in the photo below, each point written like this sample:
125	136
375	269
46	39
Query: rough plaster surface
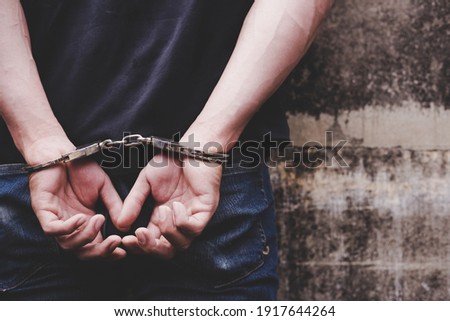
377	229
377	53
378	76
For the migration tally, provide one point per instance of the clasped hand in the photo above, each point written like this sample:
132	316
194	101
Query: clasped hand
186	195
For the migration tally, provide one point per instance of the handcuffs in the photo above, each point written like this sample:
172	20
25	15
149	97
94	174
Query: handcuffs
128	141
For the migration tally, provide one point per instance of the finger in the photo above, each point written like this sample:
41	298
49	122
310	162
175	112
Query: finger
84	235
102	249
151	244
111	199
154	230
146	243
131	243
133	203
53	226
167	226
118	254
191	225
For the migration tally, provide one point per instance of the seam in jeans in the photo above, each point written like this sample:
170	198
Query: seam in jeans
11	285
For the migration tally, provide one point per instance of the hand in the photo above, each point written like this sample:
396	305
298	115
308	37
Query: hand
64	197
186	196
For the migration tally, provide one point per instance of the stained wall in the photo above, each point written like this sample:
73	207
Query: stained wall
377	77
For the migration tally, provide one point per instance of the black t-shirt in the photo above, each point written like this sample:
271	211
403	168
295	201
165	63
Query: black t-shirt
134	66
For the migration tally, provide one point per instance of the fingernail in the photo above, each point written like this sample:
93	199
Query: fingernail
140	238
113	246
81	221
98	224
162	213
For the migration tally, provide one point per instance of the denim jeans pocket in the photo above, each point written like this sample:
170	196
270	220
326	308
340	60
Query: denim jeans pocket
24	248
233	244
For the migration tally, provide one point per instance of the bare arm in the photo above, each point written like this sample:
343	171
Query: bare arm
274	37
62	197
23	103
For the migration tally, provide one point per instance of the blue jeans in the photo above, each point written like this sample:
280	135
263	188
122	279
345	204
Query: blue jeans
235	258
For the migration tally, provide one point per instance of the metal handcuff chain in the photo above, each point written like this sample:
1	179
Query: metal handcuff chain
129	141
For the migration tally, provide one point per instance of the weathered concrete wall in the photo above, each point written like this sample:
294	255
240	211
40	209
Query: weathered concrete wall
377	76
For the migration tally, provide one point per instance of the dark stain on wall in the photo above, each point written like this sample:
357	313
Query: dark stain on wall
380	52
375	230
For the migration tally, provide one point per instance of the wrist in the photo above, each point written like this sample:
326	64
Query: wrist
46	149
30	121
210	138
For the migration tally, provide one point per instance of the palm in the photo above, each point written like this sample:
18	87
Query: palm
194	186
188	191
57	192
64	199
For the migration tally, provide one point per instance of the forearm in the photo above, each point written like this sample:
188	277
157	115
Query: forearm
23	103
274	37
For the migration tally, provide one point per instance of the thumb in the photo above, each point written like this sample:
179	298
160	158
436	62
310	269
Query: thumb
133	202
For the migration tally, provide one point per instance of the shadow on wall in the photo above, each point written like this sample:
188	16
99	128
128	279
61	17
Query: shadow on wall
377	229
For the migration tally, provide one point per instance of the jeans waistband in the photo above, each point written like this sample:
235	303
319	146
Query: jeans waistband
17	168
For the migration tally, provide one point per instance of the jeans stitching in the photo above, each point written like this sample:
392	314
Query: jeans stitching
21	279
